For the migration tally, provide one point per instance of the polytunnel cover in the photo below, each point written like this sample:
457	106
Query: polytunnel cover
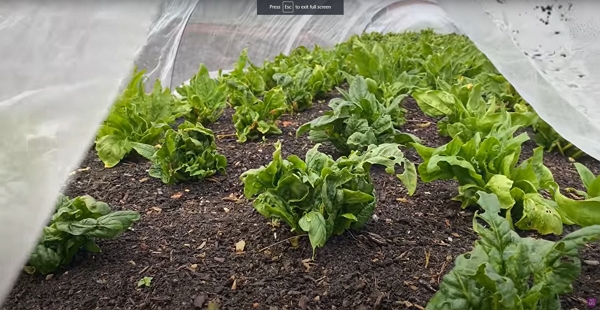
63	63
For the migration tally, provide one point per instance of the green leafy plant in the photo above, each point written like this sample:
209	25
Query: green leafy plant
372	60
551	140
428	58
205	97
495	86
255	117
187	154
244	81
505	271
145	281
76	223
300	88
324	64
585	211
136	117
321	196
386	93
589	180
465	112
452	60
489	164
358	120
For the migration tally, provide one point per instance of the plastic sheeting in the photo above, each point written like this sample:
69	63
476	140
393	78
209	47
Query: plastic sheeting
549	51
63	62
61	67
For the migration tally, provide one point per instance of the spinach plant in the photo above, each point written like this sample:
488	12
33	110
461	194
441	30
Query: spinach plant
358	120
489	164
325	68
589	180
321	196
505	271
583	212
76	223
186	154
204	97
254	117
244	81
493	85
300	88
465	112
551	140
136	117
428	58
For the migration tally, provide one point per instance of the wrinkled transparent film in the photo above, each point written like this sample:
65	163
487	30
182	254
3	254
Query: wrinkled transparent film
61	66
549	50
158	55
218	30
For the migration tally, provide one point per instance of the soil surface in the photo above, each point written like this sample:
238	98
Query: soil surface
187	235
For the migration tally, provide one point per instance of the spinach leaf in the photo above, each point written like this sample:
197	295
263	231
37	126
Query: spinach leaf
136	117
243	82
505	271
254	117
187	154
584	212
300	88
551	140
321	196
204	97
489	164
358	120
464	111
76	223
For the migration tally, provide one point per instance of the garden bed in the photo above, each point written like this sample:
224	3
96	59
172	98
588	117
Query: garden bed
186	239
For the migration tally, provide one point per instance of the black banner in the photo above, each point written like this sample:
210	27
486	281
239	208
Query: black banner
300	7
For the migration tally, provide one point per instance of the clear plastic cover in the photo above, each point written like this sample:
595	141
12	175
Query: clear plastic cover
549	51
61	66
164	36
63	63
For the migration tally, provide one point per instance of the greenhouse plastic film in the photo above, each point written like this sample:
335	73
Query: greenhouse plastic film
218	30
61	66
158	55
549	51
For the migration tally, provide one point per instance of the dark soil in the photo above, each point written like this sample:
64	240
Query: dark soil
187	235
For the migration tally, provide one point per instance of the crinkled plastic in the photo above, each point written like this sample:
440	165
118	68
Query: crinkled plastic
164	37
61	67
549	51
63	63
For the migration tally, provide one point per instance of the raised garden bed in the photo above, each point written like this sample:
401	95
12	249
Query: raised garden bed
199	224
203	241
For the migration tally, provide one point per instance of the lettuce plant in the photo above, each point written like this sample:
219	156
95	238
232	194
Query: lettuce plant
358	120
321	196
186	154
493	85
489	164
136	117
254	117
76	223
205	97
505	271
